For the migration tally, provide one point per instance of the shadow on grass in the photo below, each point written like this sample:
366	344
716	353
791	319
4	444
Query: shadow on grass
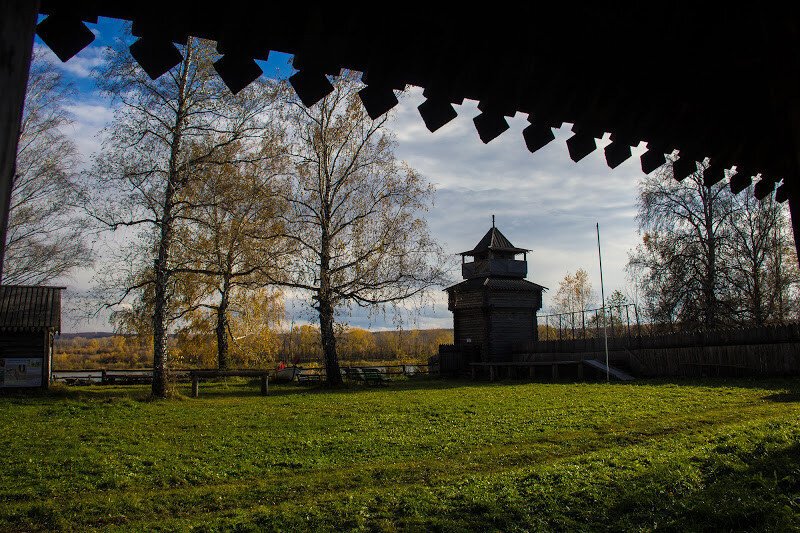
740	490
731	490
784	397
741	486
785	389
222	389
776	383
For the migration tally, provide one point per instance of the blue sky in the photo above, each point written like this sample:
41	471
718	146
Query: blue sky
542	201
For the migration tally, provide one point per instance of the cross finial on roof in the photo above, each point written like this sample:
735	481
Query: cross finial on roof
492	220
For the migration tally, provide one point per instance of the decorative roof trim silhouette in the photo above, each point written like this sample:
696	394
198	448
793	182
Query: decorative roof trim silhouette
711	90
709	81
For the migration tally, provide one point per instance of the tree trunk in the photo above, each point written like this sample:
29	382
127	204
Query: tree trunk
222	326
162	272
325	302
159	323
329	343
758	305
710	281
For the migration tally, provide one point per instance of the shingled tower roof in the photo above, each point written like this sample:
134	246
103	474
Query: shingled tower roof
496	242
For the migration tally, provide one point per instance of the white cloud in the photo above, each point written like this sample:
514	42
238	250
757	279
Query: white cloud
89	117
80	66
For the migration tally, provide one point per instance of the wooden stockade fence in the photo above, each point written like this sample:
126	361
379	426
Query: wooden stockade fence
778	334
455	360
765	351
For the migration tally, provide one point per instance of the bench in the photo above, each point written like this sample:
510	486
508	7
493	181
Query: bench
126	378
308	378
365	374
197	374
353	373
373	375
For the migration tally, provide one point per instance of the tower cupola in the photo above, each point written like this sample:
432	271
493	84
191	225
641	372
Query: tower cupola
494	256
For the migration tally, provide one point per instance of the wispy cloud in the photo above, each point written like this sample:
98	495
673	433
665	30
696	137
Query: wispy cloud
80	66
89	117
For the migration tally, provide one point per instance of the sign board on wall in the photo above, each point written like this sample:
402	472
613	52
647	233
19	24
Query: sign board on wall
21	372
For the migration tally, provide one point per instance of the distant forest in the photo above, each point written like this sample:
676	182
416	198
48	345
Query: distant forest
302	345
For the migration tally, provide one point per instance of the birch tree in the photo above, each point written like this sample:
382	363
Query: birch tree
710	258
685	248
47	234
232	242
165	133
573	297
355	213
763	268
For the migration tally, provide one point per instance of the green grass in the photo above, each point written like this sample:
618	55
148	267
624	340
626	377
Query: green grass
428	455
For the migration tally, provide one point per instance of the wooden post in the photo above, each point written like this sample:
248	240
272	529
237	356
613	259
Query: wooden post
555	371
628	320
583	328
265	384
17	26
532	372
472	368
572	319
195	386
491	372
103	379
46	353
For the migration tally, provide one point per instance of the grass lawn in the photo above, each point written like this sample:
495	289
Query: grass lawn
427	455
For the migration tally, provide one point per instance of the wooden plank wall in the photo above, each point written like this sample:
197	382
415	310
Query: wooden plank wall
742	360
22	344
509	327
788	333
470	324
764	351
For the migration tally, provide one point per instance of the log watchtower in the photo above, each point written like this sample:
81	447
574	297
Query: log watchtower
494	308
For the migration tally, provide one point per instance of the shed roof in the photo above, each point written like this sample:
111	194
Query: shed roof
495	241
29	308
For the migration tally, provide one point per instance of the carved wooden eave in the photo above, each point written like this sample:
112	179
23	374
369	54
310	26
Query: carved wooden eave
708	81
705	85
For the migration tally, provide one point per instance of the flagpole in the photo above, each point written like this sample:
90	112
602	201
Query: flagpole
603	296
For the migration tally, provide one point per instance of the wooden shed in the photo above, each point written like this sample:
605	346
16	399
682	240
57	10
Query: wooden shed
30	316
494	308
